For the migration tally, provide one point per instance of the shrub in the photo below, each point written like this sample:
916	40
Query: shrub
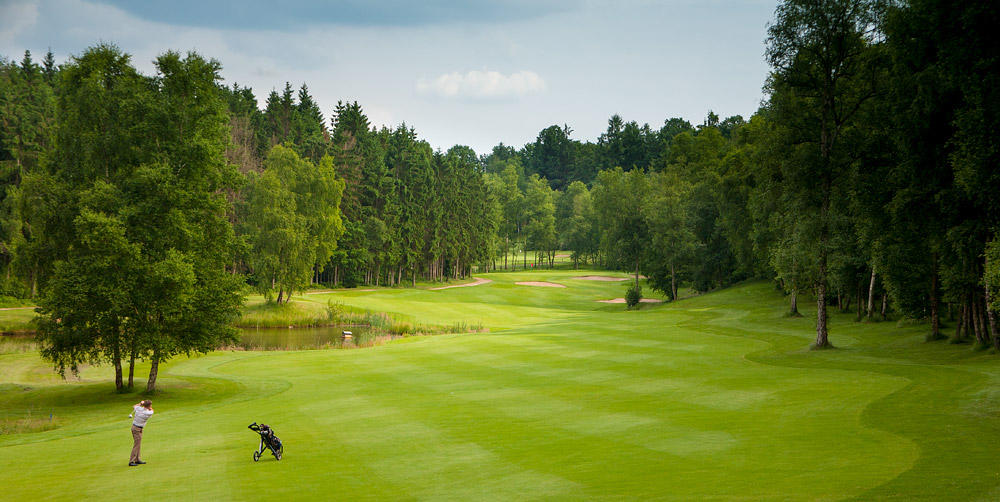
633	296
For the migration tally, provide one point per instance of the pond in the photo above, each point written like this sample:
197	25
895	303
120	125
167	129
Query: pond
330	337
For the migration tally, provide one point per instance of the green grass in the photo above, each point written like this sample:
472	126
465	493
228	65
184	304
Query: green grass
715	397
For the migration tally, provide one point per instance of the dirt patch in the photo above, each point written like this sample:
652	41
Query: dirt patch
477	282
622	300
539	283
602	278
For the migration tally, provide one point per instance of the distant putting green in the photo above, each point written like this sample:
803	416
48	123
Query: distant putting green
715	397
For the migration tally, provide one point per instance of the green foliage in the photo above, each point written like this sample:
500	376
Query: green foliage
577	232
552	157
673	241
633	296
540	226
627	145
136	238
825	71
618	197
291	220
27	125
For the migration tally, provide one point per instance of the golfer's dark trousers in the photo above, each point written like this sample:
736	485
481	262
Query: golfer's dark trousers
137	442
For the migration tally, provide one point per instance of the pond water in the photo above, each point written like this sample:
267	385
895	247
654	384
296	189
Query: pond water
304	338
252	339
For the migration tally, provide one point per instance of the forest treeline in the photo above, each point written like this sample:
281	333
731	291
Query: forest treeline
135	204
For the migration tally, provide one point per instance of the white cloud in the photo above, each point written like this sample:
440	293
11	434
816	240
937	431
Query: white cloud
482	85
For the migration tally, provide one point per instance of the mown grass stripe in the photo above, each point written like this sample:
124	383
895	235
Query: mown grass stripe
715	397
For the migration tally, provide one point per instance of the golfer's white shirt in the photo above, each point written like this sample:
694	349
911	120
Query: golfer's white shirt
141	415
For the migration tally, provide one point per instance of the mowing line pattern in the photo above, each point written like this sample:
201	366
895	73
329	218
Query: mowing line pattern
709	398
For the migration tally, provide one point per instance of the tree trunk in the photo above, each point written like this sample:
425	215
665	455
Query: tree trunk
990	315
871	296
992	319
984	323
637	273
118	367
673	281
966	321
860	304
974	320
154	369
793	307
281	294
131	367
958	326
935	305
979	327
822	334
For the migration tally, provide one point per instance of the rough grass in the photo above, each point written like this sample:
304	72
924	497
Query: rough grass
17	344
258	313
716	397
322	309
16	319
27	425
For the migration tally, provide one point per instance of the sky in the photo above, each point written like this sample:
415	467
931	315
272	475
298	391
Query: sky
460	72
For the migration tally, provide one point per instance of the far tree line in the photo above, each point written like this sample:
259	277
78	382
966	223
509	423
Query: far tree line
135	208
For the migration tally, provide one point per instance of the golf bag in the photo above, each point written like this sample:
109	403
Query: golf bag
268	441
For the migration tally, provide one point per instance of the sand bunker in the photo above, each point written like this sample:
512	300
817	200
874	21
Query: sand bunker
622	300
562	256
476	283
543	284
601	278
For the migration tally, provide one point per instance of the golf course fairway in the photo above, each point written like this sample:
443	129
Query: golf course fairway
714	397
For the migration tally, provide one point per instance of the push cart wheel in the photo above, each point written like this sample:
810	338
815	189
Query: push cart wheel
277	454
256	456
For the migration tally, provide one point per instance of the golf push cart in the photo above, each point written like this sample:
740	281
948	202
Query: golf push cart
268	441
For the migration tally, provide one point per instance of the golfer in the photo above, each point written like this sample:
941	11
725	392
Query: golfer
140	413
